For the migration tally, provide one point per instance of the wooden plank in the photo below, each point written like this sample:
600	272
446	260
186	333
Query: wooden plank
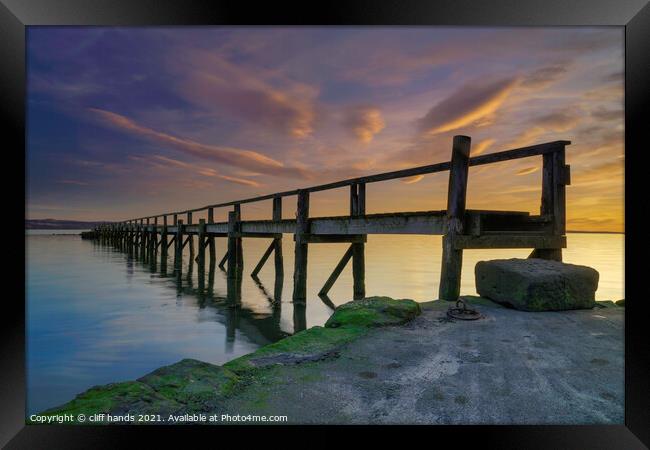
335	238
452	257
509	241
301	247
336	272
393	223
268	226
222	263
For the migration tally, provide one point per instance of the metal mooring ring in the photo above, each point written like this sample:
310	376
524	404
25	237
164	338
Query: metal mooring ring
463	313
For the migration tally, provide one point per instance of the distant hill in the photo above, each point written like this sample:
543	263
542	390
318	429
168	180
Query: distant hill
54	224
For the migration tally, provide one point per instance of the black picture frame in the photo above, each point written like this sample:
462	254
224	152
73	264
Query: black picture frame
634	15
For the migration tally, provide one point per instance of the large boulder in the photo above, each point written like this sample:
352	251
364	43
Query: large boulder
537	284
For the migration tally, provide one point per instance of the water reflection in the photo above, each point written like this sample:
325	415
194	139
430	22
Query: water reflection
96	314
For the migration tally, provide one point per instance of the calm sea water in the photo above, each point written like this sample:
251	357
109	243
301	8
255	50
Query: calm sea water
95	315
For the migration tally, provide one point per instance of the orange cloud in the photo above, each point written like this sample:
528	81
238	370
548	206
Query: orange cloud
481	147
245	159
467	105
364	122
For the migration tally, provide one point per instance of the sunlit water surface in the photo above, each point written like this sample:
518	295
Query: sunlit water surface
95	315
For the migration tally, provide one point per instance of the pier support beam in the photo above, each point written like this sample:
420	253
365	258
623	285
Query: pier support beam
235	262
163	246
211	242
201	256
190	241
555	177
358	208
143	239
178	250
300	260
277	252
452	258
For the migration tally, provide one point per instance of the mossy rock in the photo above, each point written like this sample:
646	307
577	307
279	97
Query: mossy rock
118	398
374	312
309	345
191	382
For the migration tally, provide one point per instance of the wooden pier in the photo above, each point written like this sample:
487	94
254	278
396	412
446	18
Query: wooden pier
151	237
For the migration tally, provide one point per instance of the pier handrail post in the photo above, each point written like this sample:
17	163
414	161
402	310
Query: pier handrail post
555	177
358	208
301	246
452	258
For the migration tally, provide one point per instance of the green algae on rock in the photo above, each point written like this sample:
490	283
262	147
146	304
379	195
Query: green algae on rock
374	312
191	386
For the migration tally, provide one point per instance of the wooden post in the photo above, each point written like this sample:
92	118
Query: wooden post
233	277
358	208
553	203
143	239
190	241
154	241
452	259
277	253
178	250
145	235
233	242
211	242
201	251
239	241
163	246
300	260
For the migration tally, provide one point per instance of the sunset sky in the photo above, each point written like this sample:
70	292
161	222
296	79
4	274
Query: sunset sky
126	122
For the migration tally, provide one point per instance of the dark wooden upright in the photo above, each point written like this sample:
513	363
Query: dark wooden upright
211	242
163	245
452	258
201	254
358	208
178	249
301	236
